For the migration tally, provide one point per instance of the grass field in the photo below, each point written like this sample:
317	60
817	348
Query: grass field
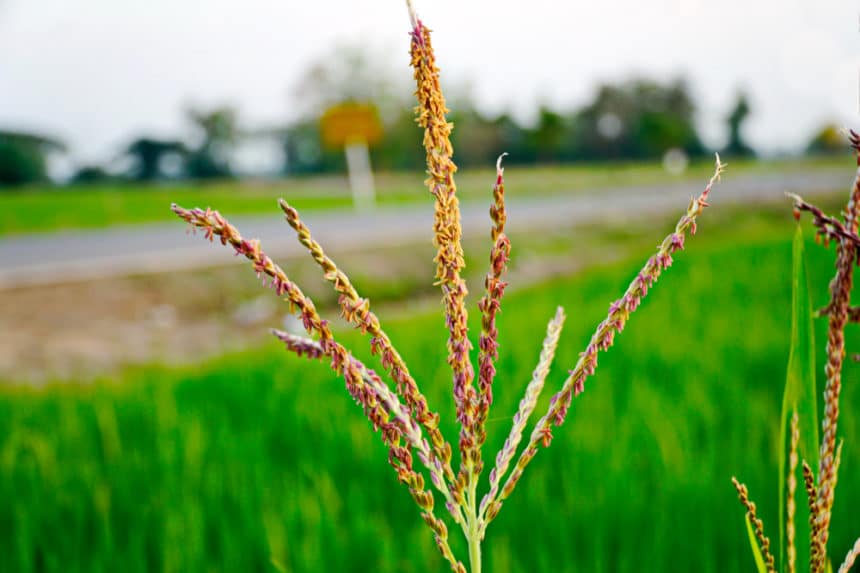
45	209
225	465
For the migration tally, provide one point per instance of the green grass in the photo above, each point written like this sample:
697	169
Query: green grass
223	465
41	209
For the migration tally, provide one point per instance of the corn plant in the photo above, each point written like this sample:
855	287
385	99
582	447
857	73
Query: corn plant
799	420
393	401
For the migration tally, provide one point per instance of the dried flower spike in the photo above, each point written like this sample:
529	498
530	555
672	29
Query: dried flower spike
791	482
758	526
356	310
489	305
449	260
840	289
490	508
412	432
402	414
829	228
839	312
811	496
342	362
850	558
447	232
603	337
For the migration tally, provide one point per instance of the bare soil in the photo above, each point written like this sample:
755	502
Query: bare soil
83	330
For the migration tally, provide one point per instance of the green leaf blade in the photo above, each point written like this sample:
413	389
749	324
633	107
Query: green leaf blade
759	558
800	395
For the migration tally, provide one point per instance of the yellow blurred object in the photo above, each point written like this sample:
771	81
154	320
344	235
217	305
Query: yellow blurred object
349	123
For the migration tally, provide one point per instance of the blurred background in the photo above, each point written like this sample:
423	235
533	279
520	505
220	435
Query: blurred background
148	423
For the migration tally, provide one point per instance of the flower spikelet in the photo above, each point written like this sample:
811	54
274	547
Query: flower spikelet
840	289
404	425
850	558
356	310
758	526
399	457
366	395
213	224
604	335
489	508
854	142
811	496
827	228
489	306
449	259
300	345
791	483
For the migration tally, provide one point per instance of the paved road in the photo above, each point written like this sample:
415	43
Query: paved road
85	255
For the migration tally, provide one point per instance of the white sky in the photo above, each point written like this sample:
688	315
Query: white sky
97	72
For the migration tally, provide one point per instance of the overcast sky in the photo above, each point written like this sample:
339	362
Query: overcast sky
96	72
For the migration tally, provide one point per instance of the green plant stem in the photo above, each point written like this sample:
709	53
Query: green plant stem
475	554
474	547
474	530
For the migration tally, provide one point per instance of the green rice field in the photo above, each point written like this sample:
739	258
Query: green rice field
259	461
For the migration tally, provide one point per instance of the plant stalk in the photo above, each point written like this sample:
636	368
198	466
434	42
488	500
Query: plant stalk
474	539
474	534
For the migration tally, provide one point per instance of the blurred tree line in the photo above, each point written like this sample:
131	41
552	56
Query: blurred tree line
636	119
23	157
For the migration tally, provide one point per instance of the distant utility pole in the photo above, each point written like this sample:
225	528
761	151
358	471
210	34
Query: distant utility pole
354	127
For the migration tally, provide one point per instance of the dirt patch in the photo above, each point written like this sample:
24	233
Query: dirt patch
78	331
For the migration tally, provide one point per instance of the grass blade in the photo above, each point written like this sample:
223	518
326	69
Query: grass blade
799	395
759	559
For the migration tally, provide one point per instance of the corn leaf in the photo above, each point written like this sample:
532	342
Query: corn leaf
759	559
800	395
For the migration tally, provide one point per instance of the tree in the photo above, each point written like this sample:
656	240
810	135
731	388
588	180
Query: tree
90	175
400	148
351	73
23	157
477	140
305	153
637	119
218	132
152	158
737	147
545	142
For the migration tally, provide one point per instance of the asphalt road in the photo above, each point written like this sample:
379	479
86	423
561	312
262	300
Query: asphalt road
43	259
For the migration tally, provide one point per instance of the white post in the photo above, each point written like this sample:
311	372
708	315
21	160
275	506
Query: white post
360	175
